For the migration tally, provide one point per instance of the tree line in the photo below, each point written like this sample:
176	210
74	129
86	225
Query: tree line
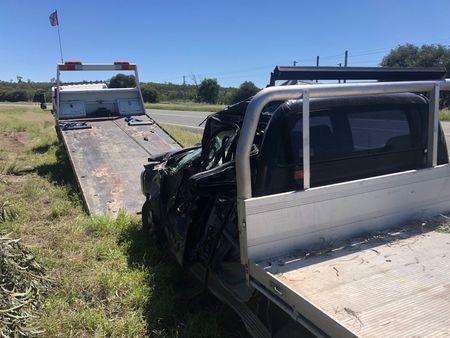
210	91
23	91
409	55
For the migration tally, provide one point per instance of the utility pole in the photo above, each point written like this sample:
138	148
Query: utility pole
295	63
317	64
184	87
345	61
340	65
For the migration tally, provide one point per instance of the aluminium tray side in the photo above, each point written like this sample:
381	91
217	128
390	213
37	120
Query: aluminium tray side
276	224
108	158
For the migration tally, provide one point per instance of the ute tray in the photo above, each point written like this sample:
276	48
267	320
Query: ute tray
393	284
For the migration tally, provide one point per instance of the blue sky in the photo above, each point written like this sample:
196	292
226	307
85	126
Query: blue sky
231	40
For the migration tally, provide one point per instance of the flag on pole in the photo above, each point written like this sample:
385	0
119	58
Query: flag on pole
55	22
54	19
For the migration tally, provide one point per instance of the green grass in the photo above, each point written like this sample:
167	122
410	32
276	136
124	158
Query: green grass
444	228
184	136
109	278
444	114
186	106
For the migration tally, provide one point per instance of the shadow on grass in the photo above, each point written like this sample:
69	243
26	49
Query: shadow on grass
178	306
42	149
59	172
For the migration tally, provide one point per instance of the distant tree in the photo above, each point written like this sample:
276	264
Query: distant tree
226	95
409	55
208	91
122	81
15	96
246	90
149	93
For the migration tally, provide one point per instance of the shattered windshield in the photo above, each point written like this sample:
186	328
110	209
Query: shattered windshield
188	158
219	148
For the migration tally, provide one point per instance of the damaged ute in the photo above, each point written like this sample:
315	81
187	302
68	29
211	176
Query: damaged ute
295	168
191	194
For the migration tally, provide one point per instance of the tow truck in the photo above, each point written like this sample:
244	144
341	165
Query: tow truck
107	135
317	209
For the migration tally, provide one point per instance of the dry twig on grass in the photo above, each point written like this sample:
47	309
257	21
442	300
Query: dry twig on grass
22	284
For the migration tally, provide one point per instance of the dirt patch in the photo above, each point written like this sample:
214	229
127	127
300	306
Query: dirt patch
12	185
15	142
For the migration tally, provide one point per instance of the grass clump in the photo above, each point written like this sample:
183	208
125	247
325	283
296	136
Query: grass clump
184	136
444	227
444	114
7	212
9	167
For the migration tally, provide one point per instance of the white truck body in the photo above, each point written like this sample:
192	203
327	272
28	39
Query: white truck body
84	100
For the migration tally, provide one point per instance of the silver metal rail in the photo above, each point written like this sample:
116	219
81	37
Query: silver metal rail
267	95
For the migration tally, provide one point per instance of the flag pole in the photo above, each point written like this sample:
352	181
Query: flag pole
59	37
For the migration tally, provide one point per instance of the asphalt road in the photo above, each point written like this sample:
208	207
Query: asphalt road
185	119
20	104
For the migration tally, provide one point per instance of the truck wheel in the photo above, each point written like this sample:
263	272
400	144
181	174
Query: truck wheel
148	223
147	217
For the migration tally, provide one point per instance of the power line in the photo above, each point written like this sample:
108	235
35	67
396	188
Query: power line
373	51
326	57
258	69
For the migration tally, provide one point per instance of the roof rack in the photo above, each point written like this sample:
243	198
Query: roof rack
357	73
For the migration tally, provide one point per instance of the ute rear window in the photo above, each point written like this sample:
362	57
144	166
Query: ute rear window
380	130
349	133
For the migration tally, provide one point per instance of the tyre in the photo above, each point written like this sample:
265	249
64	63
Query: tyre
149	224
147	217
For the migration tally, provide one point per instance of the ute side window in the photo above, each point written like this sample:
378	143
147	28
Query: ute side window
342	133
323	141
383	130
